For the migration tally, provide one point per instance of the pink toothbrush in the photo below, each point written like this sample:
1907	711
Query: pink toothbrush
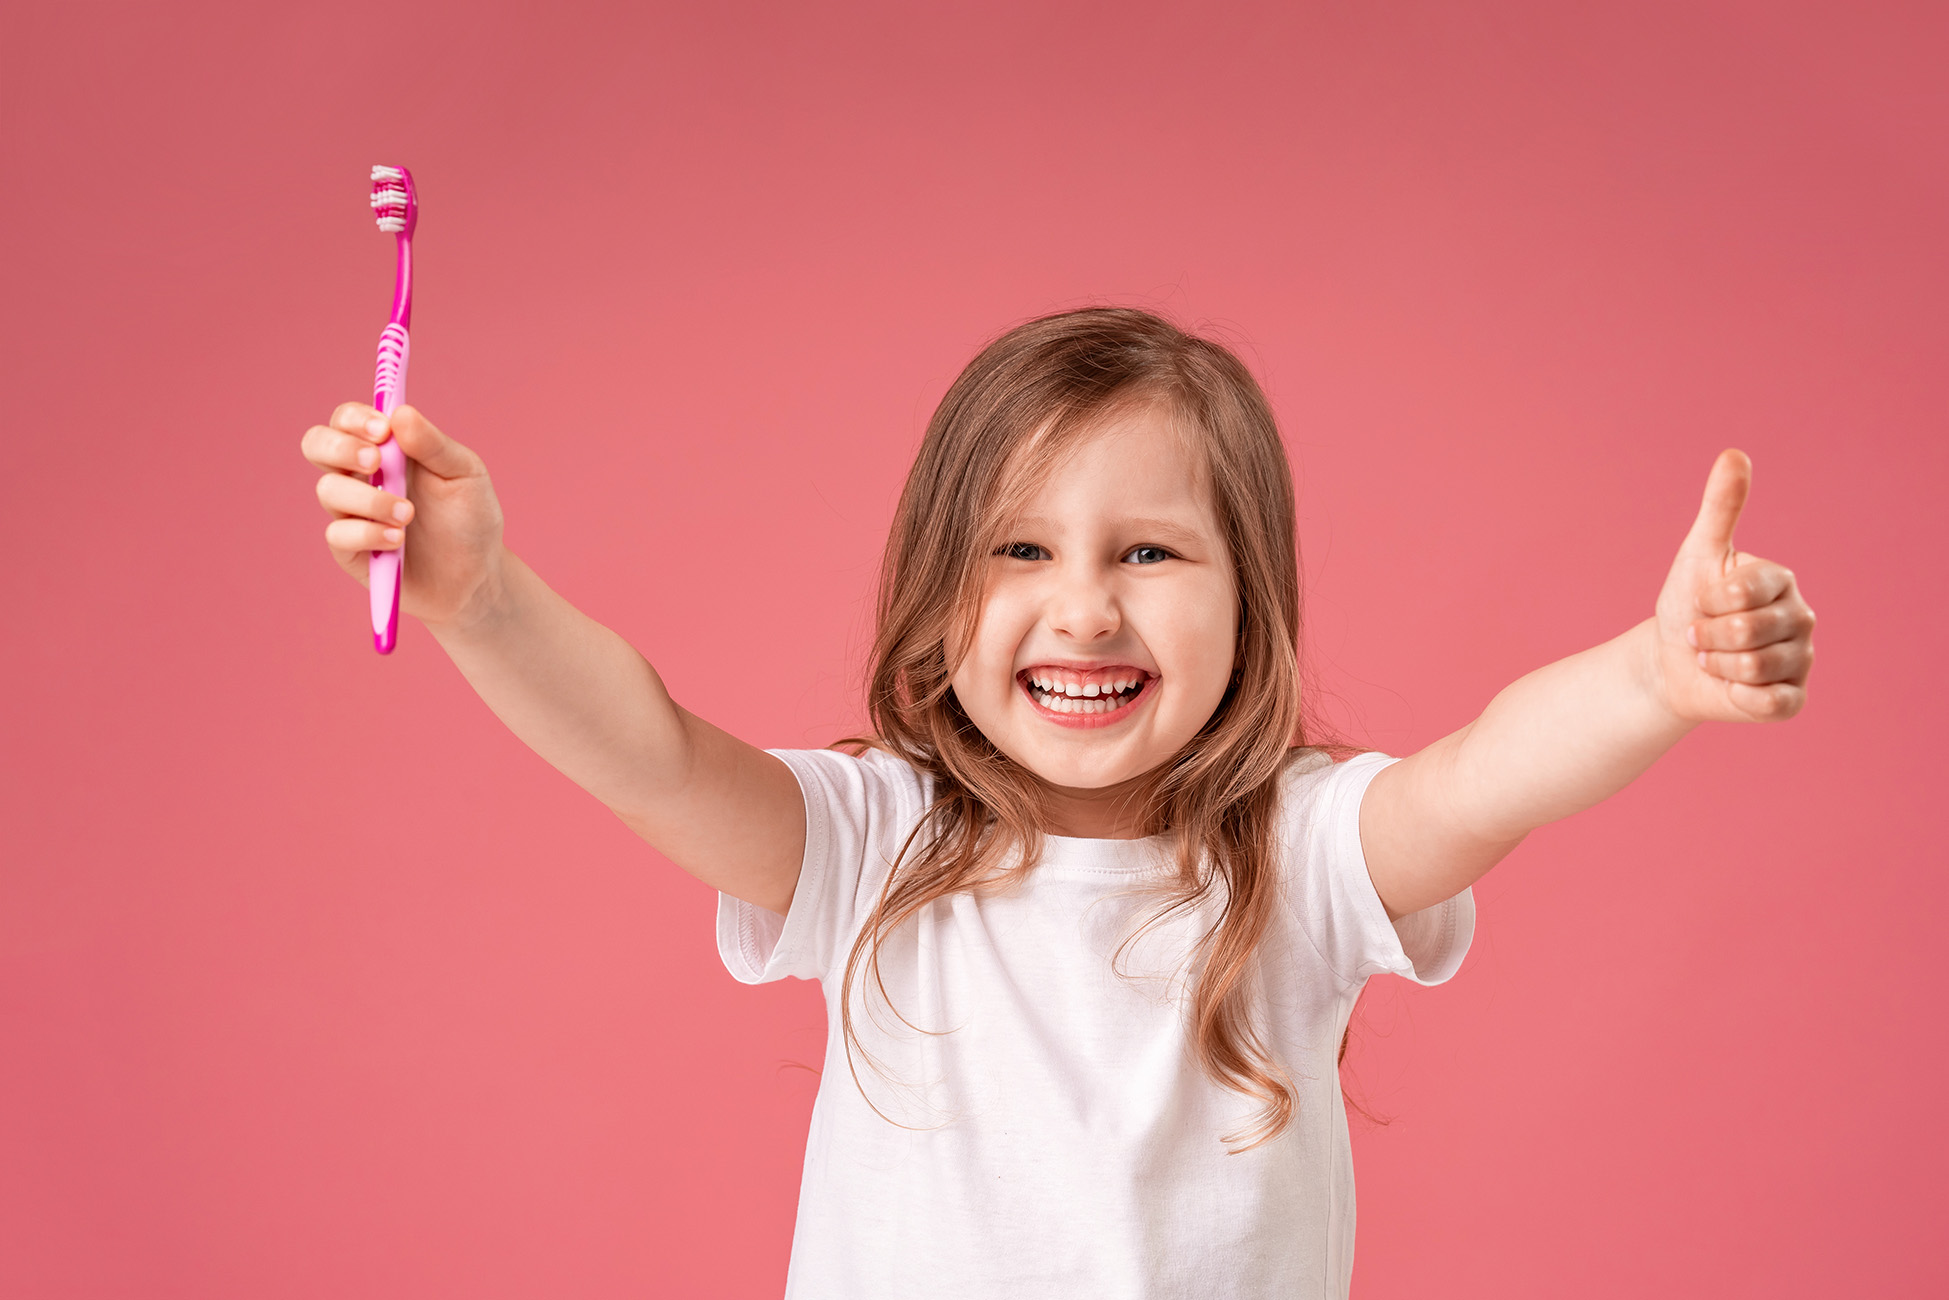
396	204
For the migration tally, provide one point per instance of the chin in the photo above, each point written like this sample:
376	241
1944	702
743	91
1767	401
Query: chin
1072	773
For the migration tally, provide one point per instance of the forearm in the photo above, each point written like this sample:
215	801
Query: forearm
1731	640
574	691
1565	737
585	700
1555	742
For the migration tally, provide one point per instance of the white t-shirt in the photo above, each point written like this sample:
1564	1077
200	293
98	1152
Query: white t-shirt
1060	1138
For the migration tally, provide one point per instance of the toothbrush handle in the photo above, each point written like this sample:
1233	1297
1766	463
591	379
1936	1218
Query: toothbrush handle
382	567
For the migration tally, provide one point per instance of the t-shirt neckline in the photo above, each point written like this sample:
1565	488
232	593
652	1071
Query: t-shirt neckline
1127	857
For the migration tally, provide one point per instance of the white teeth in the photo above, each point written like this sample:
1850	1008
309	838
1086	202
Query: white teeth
1057	703
1096	697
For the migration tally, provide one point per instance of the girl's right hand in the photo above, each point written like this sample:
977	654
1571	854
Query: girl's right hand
452	569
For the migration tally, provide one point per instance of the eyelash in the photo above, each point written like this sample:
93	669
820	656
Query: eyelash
1010	549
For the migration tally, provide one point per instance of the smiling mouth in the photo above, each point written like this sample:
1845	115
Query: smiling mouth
1069	696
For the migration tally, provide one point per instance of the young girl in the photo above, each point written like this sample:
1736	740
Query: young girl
1089	912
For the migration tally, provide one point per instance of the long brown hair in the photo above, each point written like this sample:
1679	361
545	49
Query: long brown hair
1029	396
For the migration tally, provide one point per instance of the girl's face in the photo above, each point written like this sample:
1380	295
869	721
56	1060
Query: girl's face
1109	625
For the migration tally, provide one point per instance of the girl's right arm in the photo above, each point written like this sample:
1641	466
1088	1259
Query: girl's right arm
575	692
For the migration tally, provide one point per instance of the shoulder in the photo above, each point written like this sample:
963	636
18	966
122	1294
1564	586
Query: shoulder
873	785
1332	894
1304	768
1317	820
1315	782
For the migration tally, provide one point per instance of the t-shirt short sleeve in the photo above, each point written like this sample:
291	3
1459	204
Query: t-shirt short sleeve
858	812
1332	895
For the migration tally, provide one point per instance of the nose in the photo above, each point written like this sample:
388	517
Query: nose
1082	607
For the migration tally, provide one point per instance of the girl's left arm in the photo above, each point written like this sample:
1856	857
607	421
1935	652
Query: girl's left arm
1731	640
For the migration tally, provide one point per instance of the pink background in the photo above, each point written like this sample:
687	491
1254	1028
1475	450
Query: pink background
314	982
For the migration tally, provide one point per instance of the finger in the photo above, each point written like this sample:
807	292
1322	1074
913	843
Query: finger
330	449
1786	661
1750	629
432	450
1749	586
354	535
347	496
361	419
1725	496
1772	703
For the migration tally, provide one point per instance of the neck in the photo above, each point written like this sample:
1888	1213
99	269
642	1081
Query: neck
1114	812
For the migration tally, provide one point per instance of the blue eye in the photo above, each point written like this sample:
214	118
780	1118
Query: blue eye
1022	551
1148	555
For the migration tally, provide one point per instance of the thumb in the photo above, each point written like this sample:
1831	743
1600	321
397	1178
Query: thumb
432	450
1725	496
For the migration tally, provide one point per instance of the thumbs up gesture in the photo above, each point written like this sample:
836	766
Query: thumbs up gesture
1735	638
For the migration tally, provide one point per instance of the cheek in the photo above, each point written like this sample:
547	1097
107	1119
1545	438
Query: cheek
987	671
1201	627
1227	632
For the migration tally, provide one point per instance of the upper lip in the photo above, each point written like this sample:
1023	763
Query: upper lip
1109	669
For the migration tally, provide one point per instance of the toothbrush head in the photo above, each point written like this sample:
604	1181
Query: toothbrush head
394	202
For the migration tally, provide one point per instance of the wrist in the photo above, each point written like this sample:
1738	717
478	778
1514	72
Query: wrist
489	605
1648	660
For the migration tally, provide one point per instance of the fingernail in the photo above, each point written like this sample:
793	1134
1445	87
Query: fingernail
368	458
393	534
402	510
1692	637
1701	656
376	426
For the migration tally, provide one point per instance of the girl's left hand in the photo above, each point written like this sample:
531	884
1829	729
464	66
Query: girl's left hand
1735	638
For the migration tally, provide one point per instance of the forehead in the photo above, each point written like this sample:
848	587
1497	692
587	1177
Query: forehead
1138	463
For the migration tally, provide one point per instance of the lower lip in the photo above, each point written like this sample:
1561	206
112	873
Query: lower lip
1090	721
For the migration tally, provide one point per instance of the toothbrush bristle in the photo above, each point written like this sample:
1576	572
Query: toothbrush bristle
393	203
